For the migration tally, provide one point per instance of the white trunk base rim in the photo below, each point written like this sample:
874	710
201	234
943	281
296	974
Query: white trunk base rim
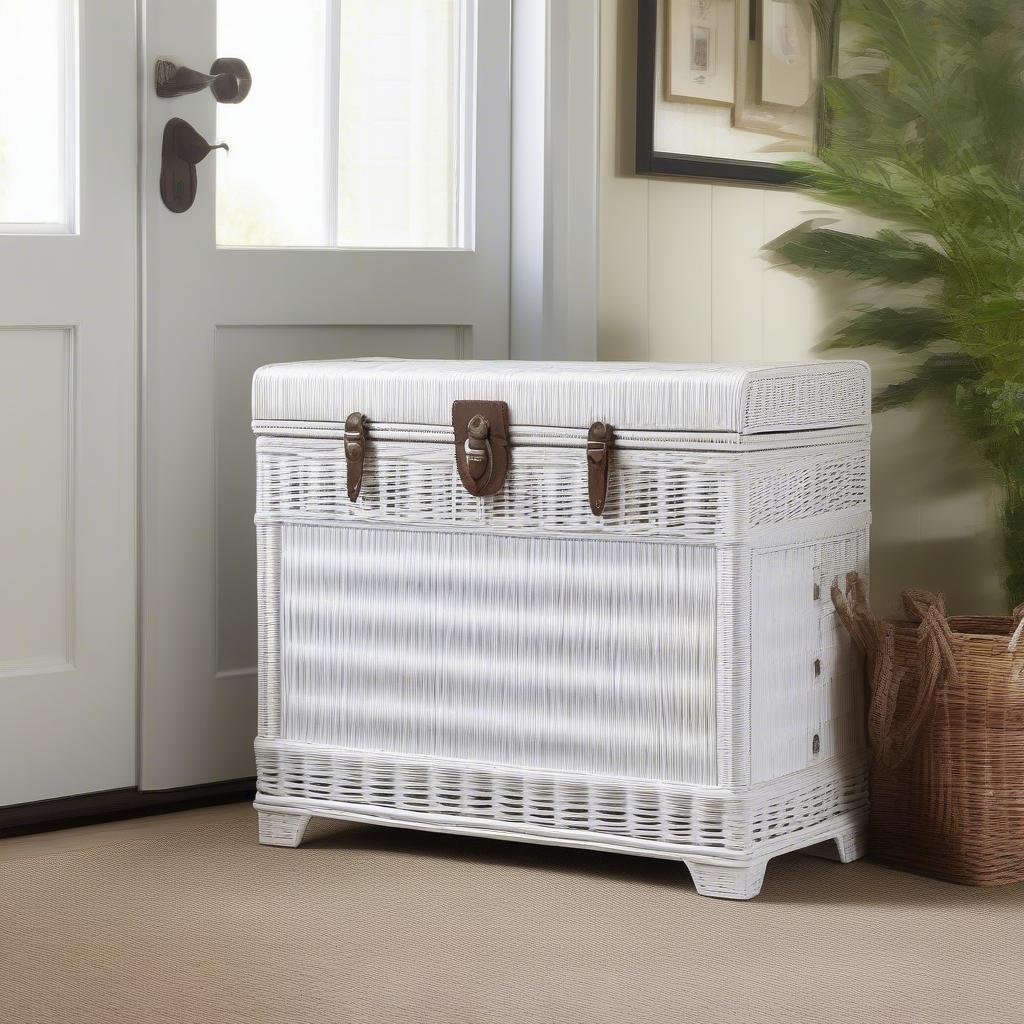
716	873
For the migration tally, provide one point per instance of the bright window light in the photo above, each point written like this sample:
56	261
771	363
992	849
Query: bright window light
356	131
38	115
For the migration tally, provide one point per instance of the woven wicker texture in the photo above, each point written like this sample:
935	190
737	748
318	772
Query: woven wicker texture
666	396
947	777
663	679
513	650
803	675
693	495
583	810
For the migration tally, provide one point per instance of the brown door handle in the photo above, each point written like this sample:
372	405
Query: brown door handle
229	79
183	148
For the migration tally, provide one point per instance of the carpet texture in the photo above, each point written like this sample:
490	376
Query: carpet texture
185	918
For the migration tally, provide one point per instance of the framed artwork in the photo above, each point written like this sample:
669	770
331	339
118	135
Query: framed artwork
777	81
700	41
729	88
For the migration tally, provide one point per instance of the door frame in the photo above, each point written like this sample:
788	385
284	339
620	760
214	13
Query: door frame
556	67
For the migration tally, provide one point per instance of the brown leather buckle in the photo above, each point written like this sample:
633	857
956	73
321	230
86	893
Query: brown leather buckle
600	441
481	445
355	453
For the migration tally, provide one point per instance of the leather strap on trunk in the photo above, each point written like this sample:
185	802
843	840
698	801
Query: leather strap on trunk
600	441
355	453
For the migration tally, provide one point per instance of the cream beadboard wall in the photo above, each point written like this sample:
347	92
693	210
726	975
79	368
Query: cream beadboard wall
682	277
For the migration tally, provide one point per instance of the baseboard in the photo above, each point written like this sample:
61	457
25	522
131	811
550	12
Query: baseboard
117	804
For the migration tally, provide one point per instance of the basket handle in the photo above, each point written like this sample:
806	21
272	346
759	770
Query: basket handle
1018	621
893	741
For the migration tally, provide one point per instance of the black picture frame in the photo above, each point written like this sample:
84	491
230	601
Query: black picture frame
648	160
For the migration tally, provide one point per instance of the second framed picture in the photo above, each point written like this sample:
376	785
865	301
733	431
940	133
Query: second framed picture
730	88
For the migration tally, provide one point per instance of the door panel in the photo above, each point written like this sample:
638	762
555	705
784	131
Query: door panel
68	379
212	315
36	616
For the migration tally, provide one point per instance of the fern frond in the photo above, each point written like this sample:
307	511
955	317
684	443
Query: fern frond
904	330
887	256
939	373
895	396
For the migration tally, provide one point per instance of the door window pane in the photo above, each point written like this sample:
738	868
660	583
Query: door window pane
398	161
356	131
270	183
37	115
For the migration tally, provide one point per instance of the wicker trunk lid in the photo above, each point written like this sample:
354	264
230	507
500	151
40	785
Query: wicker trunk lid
630	396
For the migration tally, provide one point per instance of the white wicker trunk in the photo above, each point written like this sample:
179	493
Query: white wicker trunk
665	679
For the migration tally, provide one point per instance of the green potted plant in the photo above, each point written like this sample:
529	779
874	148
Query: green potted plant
923	128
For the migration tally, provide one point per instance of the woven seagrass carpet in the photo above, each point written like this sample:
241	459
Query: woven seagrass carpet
185	918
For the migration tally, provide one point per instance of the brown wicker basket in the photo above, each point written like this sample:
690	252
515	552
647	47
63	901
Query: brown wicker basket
946	726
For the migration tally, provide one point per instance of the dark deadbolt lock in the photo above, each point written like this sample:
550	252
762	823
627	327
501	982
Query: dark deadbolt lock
183	148
229	79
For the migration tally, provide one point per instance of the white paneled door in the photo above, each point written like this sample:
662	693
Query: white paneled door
68	386
362	208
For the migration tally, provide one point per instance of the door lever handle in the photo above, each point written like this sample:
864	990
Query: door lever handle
183	148
229	79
